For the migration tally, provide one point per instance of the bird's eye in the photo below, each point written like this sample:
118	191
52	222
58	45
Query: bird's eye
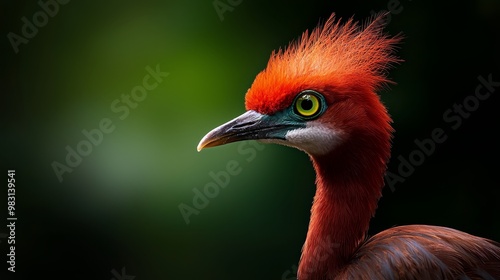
308	104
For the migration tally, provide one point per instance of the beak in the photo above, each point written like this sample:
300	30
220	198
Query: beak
249	126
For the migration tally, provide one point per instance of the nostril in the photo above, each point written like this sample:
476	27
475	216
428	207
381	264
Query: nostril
245	124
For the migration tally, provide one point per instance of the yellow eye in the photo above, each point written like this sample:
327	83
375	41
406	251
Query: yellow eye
307	105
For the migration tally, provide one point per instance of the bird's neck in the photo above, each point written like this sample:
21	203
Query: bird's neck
349	185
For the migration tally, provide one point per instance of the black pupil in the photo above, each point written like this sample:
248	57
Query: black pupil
306	104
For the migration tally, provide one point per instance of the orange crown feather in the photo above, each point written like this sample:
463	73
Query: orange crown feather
334	56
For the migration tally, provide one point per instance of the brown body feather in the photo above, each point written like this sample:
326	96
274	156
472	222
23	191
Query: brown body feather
424	252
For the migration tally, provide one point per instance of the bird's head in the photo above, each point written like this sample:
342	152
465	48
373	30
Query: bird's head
319	92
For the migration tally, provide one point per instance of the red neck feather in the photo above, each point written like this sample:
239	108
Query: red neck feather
349	185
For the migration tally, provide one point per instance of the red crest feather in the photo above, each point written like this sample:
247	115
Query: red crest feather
334	55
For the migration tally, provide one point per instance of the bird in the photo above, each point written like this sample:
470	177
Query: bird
320	95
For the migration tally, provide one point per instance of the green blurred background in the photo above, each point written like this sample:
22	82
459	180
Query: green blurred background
119	208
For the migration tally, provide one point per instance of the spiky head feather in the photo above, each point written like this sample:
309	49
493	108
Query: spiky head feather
334	57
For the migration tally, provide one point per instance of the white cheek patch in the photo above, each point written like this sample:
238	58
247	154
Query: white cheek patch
314	139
